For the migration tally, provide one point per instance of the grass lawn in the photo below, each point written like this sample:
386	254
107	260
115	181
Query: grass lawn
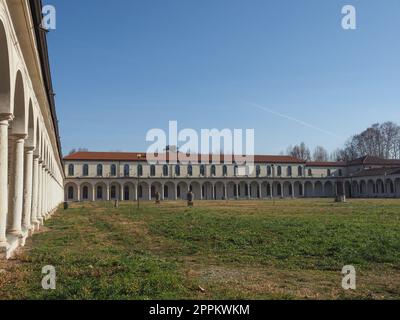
292	249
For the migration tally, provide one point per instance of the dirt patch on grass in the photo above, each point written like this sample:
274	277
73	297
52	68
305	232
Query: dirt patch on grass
244	282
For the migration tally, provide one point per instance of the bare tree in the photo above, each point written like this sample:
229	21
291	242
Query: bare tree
320	154
301	152
379	140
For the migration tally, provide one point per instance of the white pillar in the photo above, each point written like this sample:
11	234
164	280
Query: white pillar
94	193
17	186
4	122
27	208
39	196
293	193
176	192
35	189
78	193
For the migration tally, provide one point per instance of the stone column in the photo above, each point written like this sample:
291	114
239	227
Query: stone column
149	192
4	123
17	187
108	193
162	192
293	195
176	192
225	191
28	181
40	192
35	188
78	193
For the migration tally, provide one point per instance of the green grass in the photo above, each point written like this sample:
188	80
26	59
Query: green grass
218	250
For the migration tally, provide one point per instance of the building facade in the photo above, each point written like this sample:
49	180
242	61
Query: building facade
31	171
96	176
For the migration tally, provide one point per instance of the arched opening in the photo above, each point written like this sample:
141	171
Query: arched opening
389	186
169	191
329	189
363	188
219	191
371	188
231	190
101	192
207	191
71	193
182	190
18	125
298	189
287	189
86	192
309	190
129	192
156	187
196	189
5	80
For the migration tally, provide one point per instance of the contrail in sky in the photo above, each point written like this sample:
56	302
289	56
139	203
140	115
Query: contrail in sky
301	122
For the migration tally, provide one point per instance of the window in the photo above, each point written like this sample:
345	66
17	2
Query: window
203	170
213	171
153	170
258	170
279	171
289	171
329	173
85	193
340	172
269	171
99	170
127	170
225	171
165	170
139	170
236	170
190	170
300	171
177	170
310	172
85	170
113	170
71	170
70	193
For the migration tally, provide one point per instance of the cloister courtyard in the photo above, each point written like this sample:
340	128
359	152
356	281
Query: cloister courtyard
283	249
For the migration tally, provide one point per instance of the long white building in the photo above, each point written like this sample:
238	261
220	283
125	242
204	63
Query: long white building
101	176
31	171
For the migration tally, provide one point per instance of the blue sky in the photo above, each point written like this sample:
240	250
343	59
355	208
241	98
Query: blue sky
123	67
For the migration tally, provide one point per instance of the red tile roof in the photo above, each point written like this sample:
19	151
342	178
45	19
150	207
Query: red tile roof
141	156
326	164
370	160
